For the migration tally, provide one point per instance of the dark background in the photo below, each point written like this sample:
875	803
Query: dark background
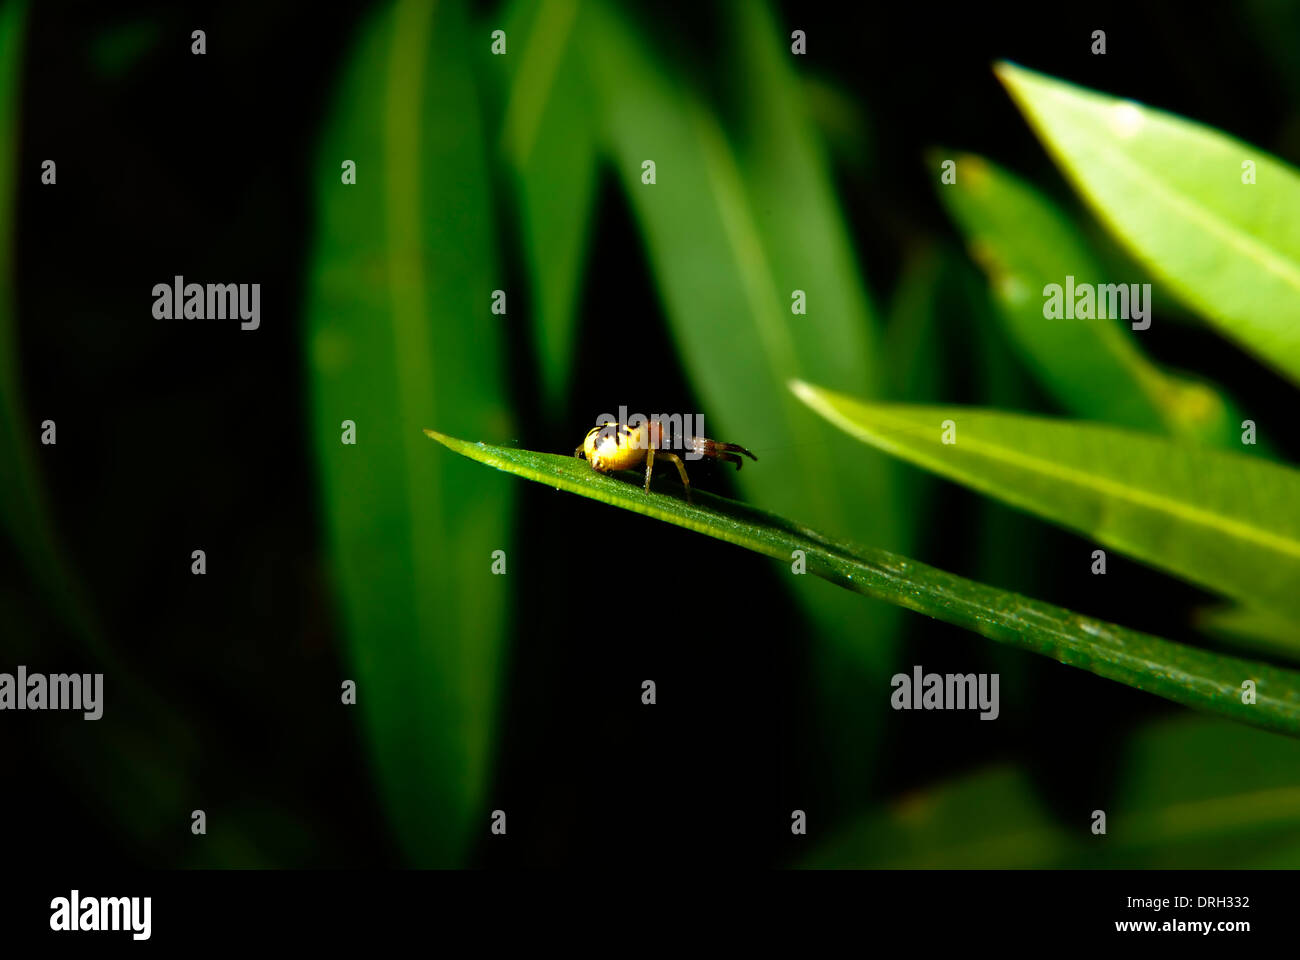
173	435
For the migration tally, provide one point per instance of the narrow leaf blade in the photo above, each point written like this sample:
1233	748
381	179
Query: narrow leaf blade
1183	674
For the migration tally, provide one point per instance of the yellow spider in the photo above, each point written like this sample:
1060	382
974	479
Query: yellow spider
616	446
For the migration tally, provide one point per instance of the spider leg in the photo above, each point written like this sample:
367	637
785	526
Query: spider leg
649	466
578	453
734	448
713	448
681	469
731	458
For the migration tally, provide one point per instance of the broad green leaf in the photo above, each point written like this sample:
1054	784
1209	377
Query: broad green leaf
1194	793
1186	675
1226	521
1172	191
1092	367
548	140
400	331
1116	261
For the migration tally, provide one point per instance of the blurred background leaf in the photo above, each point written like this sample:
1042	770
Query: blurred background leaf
401	337
1253	629
1172	190
1092	367
1195	790
549	142
916	370
913	333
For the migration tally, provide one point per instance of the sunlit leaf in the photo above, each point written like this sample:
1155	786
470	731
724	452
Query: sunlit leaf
1173	191
1226	521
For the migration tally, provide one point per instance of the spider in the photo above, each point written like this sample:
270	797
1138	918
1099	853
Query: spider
616	446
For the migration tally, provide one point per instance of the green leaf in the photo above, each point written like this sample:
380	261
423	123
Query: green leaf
1172	191
1023	242
1186	675
1195	792
400	331
1226	521
549	141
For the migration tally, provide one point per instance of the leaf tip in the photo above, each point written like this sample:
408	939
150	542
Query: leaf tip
1006	71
